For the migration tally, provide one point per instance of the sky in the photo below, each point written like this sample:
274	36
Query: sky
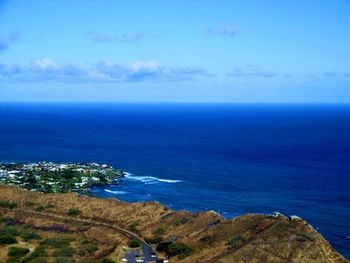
175	51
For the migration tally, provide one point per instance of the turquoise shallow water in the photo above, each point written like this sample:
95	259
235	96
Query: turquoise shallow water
234	159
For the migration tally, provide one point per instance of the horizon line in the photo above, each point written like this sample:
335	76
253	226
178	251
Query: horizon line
174	102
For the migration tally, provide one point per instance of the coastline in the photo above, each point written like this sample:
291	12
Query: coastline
207	230
130	187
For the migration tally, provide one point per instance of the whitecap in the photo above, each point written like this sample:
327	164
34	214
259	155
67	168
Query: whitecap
116	192
149	179
170	181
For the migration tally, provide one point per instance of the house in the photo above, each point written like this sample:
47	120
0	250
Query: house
12	176
14	172
295	218
276	214
95	179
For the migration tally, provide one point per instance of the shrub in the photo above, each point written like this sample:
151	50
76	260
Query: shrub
236	241
9	231
88	249
205	238
64	252
73	211
8	221
134	225
56	242
159	231
84	242
27	236
38	256
134	243
180	221
175	248
107	260
40	208
64	260
29	204
181	249
163	246
36	260
17	251
7	239
8	204
85	192
50	205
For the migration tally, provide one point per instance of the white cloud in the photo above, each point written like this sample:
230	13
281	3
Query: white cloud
149	65
44	64
46	69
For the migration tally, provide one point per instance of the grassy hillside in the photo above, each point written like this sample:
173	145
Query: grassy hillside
81	221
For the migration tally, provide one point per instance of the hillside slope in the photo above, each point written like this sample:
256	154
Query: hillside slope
248	238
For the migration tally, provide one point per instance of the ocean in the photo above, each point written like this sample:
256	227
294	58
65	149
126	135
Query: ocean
231	158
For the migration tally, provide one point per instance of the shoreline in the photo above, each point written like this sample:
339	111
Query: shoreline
186	226
226	214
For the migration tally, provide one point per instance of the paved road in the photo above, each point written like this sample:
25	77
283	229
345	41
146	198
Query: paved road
146	255
146	248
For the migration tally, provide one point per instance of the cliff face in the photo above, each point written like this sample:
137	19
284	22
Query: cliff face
248	238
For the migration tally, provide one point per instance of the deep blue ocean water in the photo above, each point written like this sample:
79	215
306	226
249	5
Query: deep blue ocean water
234	159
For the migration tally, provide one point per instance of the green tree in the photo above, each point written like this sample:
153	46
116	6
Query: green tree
134	243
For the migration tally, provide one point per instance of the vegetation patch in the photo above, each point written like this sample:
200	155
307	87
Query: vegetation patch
64	260
57	242
88	249
107	260
159	231
40	208
23	232
29	204
73	211
28	235
134	225
8	204
17	251
64	252
7	239
8	221
38	255
236	241
205	238
180	221
134	243
181	249
50	205
9	231
175	249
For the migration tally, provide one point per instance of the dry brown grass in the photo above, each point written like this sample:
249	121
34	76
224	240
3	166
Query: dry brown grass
266	239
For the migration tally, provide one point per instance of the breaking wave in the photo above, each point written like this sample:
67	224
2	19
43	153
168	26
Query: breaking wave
149	179
116	192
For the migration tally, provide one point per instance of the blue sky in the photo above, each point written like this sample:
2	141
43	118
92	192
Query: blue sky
175	51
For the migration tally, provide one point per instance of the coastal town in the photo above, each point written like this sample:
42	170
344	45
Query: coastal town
50	177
